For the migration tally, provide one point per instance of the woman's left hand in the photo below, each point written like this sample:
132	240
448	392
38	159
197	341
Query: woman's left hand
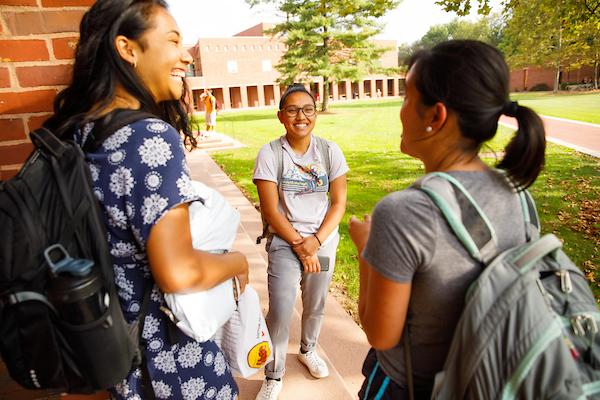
306	247
359	231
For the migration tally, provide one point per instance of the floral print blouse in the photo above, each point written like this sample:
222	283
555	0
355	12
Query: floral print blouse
139	173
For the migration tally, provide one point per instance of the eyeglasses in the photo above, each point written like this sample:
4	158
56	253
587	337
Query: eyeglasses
308	110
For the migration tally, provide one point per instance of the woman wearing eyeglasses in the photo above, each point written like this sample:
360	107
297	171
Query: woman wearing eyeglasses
294	176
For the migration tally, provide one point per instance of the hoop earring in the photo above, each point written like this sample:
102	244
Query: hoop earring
428	129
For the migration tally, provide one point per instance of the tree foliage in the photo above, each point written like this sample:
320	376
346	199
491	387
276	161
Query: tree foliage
329	39
556	33
488	29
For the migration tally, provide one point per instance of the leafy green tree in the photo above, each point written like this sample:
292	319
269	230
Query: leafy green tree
330	39
556	33
487	29
590	8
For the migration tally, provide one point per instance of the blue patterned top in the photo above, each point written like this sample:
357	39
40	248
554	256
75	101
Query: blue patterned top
139	173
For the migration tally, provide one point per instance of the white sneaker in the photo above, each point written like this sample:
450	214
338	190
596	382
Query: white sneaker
315	364
269	390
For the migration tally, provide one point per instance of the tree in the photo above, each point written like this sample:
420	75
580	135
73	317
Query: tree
487	29
329	39
557	33
590	8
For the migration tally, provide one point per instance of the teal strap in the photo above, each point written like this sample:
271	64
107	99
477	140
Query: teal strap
548	244
553	332
590	389
371	379
384	386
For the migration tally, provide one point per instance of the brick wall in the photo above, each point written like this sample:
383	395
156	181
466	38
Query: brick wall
37	39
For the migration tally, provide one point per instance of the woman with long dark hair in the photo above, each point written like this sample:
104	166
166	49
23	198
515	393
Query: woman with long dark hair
414	273
130	56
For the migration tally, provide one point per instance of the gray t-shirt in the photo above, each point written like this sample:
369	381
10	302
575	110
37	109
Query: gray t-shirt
303	193
410	241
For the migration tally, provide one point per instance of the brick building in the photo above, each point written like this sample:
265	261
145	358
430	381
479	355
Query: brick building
241	72
524	79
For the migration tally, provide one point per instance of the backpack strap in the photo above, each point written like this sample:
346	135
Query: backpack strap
323	146
466	219
277	148
532	220
110	123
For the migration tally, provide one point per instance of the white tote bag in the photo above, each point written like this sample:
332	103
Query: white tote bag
213	225
244	339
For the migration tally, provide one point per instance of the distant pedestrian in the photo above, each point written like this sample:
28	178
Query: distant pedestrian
414	273
210	108
304	211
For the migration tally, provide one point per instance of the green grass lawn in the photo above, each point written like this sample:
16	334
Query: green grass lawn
567	192
578	106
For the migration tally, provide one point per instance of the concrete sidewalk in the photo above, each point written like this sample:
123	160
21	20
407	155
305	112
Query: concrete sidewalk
342	343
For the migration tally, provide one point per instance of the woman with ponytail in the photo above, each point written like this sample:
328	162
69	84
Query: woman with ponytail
414	273
130	60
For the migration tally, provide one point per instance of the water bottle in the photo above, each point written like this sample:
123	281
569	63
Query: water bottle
75	288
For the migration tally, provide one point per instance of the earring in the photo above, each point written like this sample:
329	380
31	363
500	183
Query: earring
134	63
428	129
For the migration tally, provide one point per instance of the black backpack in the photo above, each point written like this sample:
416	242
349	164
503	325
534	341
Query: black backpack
61	325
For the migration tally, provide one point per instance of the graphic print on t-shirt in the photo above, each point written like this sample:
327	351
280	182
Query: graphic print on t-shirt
305	179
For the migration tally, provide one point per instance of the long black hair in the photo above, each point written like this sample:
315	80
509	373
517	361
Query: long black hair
99	69
471	79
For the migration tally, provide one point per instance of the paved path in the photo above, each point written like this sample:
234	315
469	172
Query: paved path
581	136
342	344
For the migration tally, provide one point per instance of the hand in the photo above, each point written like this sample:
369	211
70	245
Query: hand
359	231
306	247
311	264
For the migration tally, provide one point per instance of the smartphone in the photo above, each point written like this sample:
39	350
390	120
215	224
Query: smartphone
324	261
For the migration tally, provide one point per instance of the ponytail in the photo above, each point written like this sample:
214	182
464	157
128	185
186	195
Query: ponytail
524	154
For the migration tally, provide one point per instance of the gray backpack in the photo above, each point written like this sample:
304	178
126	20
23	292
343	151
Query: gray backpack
529	329
277	147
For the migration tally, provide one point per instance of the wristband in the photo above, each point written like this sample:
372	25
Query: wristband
316	237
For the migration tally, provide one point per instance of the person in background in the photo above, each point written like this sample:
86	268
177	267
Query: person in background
130	56
414	273
303	212
210	108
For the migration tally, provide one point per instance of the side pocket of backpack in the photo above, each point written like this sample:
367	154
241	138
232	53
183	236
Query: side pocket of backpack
35	361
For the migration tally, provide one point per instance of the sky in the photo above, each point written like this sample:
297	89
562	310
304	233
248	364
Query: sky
224	18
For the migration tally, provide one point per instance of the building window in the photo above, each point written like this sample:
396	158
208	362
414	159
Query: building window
277	47
259	47
267	66
206	48
216	48
232	67
251	47
243	47
235	48
225	49
191	70
269	47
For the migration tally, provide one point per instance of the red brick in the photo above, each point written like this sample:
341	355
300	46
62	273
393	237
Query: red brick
4	175
67	3
36	122
15	153
40	22
23	50
12	129
46	75
18	2
4	78
64	48
27	102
